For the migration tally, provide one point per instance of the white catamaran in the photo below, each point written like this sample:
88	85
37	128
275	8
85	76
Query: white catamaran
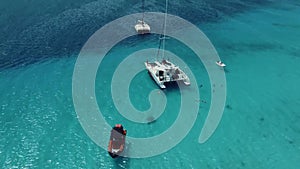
165	71
142	27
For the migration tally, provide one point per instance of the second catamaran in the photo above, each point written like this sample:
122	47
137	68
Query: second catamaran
142	27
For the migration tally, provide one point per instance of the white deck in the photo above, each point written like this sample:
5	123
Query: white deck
142	27
166	71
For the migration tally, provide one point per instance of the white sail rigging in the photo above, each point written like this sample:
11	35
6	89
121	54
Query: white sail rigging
165	71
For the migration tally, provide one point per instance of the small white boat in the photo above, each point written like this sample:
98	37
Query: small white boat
142	27
166	71
221	64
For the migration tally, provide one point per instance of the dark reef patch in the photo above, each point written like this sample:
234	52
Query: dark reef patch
262	119
228	107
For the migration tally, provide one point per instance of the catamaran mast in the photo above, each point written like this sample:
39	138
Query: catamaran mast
163	37
143	8
165	25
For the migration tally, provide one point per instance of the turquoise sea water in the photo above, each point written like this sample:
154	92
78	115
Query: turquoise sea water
260	126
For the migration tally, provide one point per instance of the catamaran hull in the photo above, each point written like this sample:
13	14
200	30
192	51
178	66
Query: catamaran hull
154	77
160	84
142	28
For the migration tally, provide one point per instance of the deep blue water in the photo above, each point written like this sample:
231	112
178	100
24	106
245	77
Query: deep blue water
259	42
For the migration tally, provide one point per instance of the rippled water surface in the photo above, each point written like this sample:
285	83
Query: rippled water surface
39	44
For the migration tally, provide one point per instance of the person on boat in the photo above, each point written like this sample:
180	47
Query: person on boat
117	141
